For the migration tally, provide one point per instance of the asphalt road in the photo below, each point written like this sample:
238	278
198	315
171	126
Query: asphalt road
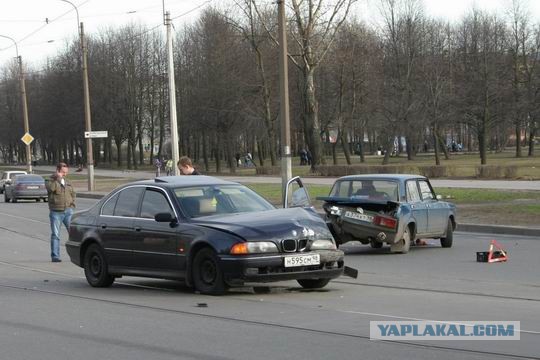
49	312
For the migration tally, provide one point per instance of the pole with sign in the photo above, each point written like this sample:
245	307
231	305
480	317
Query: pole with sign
95	134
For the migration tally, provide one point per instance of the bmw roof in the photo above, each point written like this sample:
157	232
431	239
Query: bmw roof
186	180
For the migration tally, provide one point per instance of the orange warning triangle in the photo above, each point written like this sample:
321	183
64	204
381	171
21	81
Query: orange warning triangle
496	253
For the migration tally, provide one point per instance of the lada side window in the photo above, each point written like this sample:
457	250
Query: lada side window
412	191
425	190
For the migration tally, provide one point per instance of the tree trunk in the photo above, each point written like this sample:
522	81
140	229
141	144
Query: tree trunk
345	145
312	127
260	152
532	134
118	153
409	148
205	153
518	139
436	145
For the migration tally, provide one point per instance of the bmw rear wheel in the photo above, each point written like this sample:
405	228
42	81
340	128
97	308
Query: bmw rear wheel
207	274
96	267
313	283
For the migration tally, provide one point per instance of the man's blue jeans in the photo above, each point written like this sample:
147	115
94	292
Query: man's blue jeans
58	218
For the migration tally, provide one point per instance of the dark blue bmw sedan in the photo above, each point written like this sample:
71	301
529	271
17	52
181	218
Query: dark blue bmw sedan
213	234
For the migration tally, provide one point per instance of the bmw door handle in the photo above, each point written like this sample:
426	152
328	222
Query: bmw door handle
136	228
103	226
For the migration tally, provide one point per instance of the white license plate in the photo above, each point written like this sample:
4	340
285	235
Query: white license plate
358	216
302	260
32	187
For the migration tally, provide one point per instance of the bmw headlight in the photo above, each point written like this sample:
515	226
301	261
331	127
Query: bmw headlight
259	247
323	245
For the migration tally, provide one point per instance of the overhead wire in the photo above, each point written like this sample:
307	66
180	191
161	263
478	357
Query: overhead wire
43	26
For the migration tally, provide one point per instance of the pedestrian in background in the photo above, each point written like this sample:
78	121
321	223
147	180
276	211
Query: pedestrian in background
186	166
169	167
61	198
157	164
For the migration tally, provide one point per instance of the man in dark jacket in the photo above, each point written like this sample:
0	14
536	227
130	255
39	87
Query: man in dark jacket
61	204
186	166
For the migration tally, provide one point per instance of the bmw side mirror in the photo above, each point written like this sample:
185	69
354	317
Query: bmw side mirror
164	217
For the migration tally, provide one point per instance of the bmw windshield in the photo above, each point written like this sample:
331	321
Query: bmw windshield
210	200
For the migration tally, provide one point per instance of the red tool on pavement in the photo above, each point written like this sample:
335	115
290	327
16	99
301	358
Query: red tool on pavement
495	254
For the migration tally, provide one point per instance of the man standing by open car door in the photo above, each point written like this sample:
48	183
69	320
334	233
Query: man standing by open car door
61	198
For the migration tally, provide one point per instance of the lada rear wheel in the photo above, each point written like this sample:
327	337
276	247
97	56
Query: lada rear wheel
96	267
404	244
313	283
446	242
207	274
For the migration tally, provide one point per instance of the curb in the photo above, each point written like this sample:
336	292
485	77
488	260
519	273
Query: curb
499	229
85	195
474	228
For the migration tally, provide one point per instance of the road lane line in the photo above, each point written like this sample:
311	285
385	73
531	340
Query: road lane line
24	218
77	277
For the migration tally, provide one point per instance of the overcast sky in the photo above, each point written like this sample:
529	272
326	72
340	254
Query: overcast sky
25	20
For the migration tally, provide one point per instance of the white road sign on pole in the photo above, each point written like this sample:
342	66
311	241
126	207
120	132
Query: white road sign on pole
96	134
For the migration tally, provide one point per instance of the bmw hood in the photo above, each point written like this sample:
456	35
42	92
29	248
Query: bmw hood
272	225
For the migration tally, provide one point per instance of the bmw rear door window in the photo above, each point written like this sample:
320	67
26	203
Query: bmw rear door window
128	202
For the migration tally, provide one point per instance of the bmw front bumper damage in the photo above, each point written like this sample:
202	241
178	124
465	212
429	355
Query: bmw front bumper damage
270	267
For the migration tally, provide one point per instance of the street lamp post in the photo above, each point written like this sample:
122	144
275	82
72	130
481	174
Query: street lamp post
286	166
24	105
87	113
172	95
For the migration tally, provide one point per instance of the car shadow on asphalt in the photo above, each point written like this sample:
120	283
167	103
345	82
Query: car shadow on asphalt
179	287
367	250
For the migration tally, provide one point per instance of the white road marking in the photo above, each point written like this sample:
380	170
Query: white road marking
77	277
24	218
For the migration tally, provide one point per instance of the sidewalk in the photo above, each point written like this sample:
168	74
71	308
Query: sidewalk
472	184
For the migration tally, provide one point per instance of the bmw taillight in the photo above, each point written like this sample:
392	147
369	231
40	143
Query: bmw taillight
385	221
19	186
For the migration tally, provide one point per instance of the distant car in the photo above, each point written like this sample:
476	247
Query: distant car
392	209
213	234
26	187
7	177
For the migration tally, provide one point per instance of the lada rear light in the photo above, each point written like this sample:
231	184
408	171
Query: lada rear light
385	221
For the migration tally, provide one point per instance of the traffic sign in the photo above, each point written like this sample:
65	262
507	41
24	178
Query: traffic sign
96	134
27	138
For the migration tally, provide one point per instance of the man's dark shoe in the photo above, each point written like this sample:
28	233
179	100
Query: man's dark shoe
56	260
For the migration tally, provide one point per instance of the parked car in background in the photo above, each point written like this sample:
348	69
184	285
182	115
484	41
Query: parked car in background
386	208
7	177
26	187
213	234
